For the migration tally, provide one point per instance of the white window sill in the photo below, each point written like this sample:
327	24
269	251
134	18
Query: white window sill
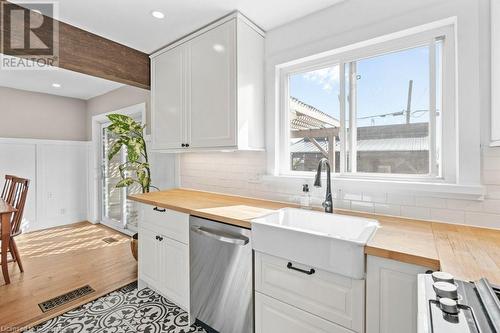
432	189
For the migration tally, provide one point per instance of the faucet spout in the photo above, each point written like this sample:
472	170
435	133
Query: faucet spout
328	203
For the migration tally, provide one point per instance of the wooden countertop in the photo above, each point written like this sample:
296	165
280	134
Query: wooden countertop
466	252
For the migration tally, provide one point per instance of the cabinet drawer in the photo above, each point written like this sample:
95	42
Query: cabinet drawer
330	296
166	222
273	316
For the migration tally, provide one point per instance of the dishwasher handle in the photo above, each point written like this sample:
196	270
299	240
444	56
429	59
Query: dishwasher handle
221	236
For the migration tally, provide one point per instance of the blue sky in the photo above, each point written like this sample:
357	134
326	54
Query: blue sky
382	87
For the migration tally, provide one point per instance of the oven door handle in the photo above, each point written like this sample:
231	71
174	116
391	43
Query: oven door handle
221	236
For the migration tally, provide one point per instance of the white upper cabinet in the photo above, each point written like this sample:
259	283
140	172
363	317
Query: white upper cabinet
167	122
208	89
495	80
212	101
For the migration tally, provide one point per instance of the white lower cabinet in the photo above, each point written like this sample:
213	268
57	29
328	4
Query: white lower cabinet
273	316
175	274
331	302
164	253
391	296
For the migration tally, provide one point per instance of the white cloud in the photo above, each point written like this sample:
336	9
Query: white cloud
328	77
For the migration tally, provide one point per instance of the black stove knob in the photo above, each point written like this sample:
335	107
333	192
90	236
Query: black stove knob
448	305
445	290
443	276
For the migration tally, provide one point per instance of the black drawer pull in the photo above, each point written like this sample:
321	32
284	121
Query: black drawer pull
162	210
309	272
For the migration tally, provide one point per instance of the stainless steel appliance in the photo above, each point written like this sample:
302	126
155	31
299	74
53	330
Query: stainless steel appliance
446	305
221	271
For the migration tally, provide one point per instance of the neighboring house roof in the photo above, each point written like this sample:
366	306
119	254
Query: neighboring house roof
393	144
305	116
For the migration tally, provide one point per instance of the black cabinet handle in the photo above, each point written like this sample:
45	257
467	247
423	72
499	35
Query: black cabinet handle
187	144
183	145
157	237
160	238
309	272
162	210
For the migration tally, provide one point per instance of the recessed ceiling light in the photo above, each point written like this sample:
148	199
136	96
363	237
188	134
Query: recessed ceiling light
56	85
157	14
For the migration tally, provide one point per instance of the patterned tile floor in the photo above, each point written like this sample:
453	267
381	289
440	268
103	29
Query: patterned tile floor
124	310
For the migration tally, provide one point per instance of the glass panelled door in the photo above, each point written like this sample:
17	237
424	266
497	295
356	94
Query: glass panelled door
116	210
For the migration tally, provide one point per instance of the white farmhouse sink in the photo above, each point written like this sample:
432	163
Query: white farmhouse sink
331	242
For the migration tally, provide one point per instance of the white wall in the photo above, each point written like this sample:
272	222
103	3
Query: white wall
114	100
26	114
353	21
58	184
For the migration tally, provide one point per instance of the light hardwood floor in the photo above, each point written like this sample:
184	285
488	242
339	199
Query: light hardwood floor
59	260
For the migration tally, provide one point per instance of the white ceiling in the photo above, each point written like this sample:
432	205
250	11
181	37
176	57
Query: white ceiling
73	84
129	22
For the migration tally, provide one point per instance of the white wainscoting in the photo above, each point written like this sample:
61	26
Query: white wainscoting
58	172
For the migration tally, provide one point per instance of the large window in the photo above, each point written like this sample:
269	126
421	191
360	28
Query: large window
371	111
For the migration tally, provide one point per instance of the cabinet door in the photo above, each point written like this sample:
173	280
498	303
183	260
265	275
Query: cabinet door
391	296
212	88
174	273
149	258
333	297
167	115
272	316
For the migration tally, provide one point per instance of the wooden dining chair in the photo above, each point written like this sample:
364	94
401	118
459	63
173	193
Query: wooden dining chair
17	199
7	186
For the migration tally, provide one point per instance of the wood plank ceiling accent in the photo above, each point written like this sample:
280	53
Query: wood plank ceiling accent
87	53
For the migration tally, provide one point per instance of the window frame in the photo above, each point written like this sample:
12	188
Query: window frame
448	158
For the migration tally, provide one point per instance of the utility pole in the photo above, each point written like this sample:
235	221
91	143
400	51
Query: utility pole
408	106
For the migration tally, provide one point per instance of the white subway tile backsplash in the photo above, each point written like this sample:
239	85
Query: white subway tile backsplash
491	177
400	199
241	173
352	196
362	206
448	215
387	209
491	206
341	204
483	220
491	163
466	205
430	202
422	213
493	192
380	197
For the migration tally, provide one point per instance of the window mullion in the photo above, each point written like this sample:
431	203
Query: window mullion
352	117
433	168
342	130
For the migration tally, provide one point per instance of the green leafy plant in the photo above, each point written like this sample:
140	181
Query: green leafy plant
130	136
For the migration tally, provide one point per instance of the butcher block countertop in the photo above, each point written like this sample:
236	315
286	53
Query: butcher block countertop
468	253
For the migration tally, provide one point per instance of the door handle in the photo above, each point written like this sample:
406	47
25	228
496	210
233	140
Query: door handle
162	210
159	238
221	236
309	272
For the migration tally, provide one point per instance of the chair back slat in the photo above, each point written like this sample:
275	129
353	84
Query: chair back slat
17	199
7	187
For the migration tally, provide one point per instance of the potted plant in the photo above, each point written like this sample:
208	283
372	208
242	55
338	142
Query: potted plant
136	170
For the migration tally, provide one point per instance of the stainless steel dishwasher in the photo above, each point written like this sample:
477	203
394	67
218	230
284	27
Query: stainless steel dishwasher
221	276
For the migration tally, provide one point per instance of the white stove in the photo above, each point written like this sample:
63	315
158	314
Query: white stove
446	305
